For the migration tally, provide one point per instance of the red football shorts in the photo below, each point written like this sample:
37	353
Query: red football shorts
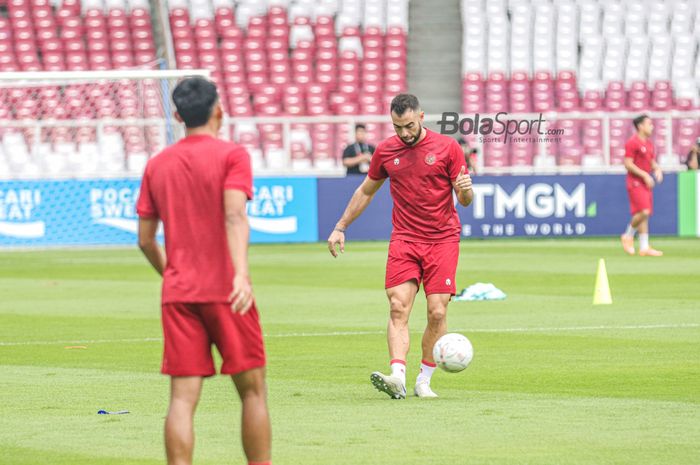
641	197
189	330
433	264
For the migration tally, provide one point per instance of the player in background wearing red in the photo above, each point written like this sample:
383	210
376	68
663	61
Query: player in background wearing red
425	168
640	162
198	188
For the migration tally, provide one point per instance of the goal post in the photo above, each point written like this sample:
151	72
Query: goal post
67	124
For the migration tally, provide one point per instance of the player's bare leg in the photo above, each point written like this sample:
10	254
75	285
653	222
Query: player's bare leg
401	300
256	433
179	429
645	249
437	323
437	327
640	220
627	237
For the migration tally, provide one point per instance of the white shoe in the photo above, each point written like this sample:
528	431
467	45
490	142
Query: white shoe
423	390
390	385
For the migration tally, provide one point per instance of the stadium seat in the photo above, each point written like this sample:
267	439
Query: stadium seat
632	57
315	45
94	34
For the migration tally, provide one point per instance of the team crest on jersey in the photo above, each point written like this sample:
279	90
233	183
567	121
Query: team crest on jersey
644	149
430	159
396	161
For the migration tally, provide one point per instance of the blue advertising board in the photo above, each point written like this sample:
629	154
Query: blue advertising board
102	212
333	197
556	206
510	206
283	210
68	212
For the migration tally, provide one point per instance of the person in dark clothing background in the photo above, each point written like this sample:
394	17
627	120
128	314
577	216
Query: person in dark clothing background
470	154
357	155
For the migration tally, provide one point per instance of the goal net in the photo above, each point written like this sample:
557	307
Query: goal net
86	123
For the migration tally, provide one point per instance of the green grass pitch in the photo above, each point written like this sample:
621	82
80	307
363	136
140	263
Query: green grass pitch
554	379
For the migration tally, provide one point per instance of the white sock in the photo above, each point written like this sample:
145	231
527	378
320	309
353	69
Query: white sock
398	369
643	241
630	231
426	372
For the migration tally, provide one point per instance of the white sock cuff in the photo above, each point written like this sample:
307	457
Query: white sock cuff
426	371
398	368
644	241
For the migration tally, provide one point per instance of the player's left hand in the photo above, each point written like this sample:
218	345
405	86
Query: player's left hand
463	181
241	297
658	175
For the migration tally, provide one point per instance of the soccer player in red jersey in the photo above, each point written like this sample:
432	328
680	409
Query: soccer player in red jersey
640	162
425	168
198	188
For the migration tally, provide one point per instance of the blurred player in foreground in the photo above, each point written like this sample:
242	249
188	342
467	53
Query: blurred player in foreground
640	162
198	188
425	167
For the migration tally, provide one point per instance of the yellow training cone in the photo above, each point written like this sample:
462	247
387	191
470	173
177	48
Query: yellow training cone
601	294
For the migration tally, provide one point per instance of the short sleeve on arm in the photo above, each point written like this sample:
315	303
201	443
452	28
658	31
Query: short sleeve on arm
455	160
239	175
629	149
145	206
376	170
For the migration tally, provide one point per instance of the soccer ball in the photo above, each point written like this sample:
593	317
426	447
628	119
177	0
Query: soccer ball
453	352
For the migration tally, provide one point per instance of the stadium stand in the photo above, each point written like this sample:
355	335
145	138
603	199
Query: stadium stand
582	56
72	35
307	58
41	35
276	58
315	65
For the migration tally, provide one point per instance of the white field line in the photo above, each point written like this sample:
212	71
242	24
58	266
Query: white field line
371	333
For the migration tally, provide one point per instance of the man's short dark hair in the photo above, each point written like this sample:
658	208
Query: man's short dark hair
194	99
639	120
360	126
404	102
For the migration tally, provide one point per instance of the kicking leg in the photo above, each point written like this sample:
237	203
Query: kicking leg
401	300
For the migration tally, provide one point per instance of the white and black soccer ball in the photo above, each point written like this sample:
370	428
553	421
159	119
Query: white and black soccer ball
453	352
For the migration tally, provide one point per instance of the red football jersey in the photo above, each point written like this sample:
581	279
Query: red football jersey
421	186
642	152
184	187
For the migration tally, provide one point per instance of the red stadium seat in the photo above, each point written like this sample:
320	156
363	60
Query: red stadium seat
123	38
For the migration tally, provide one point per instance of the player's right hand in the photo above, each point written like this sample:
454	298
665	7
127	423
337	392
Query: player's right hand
649	181
337	238
241	297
